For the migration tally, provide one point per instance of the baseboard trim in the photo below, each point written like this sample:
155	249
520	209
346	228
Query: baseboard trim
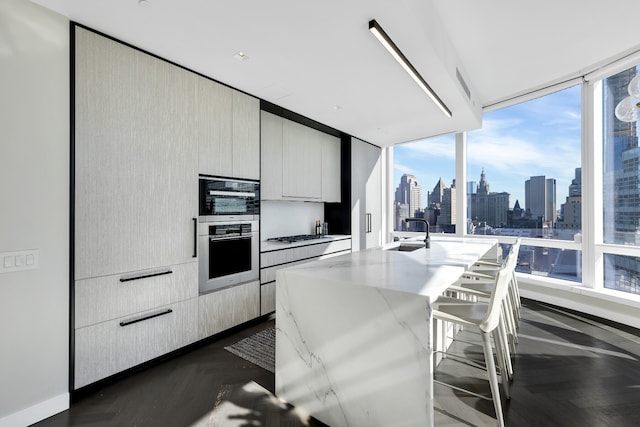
584	300
37	412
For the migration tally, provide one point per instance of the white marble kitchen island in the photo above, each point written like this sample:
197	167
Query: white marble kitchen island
353	333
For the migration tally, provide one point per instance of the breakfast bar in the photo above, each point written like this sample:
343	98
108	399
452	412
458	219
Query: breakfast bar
353	333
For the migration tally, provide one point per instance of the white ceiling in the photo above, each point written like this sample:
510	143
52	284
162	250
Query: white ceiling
318	58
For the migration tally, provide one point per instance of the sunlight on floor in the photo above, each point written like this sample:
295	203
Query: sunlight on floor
580	347
248	406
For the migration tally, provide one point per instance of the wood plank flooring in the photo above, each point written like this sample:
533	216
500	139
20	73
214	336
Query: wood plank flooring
570	370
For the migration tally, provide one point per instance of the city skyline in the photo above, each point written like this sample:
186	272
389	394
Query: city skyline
534	138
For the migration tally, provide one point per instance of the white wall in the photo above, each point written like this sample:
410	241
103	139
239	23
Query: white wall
34	211
279	219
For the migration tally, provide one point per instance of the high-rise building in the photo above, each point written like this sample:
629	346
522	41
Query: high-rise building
571	209
621	186
409	193
575	188
448	206
488	208
441	208
471	189
435	197
401	212
540	199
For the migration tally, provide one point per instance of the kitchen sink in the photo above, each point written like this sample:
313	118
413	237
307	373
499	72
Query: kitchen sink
406	247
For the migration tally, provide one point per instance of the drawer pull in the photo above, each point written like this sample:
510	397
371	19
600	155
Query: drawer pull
151	316
144	276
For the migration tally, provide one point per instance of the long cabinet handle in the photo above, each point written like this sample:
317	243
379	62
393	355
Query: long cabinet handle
195	237
151	316
144	276
367	223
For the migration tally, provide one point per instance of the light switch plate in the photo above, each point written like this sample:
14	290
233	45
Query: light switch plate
19	260
8	261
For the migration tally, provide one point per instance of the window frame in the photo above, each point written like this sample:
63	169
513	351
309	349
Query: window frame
591	242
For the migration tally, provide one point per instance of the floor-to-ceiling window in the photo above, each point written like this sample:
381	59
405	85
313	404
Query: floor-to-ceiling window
525	177
524	168
424	176
621	180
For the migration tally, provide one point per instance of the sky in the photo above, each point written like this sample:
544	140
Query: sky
537	137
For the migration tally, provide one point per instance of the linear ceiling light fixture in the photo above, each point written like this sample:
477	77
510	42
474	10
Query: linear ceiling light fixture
383	38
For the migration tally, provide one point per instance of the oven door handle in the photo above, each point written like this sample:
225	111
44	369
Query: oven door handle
231	193
229	238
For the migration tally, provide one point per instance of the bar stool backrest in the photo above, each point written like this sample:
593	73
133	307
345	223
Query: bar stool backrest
490	322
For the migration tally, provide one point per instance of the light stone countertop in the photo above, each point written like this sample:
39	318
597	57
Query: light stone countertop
424	271
354	332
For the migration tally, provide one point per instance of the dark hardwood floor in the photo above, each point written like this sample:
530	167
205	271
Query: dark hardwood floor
570	370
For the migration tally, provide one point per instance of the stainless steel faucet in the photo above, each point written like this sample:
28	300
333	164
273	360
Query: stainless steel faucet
426	239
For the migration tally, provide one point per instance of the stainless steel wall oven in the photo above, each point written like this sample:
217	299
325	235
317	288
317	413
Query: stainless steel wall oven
228	254
228	232
224	199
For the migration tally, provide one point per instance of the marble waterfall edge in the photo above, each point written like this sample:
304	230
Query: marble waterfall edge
353	355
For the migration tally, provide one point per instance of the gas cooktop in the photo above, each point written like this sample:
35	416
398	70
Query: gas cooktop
296	238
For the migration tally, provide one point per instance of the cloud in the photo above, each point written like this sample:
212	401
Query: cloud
503	146
431	148
402	169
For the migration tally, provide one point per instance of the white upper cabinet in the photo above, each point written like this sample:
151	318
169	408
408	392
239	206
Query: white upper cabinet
331	169
246	136
298	162
228	128
301	162
271	156
214	122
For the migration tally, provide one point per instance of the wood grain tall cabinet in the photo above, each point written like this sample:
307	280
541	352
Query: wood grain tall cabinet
144	129
136	163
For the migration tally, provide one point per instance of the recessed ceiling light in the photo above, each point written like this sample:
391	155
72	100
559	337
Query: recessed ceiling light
144	3
241	56
337	107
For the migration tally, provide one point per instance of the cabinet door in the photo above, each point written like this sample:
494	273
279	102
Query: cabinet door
214	127
109	347
330	169
151	338
226	308
267	298
135	160
246	136
301	162
366	198
271	156
282	256
373	192
103	298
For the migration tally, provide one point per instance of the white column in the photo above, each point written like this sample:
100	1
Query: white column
461	183
592	257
